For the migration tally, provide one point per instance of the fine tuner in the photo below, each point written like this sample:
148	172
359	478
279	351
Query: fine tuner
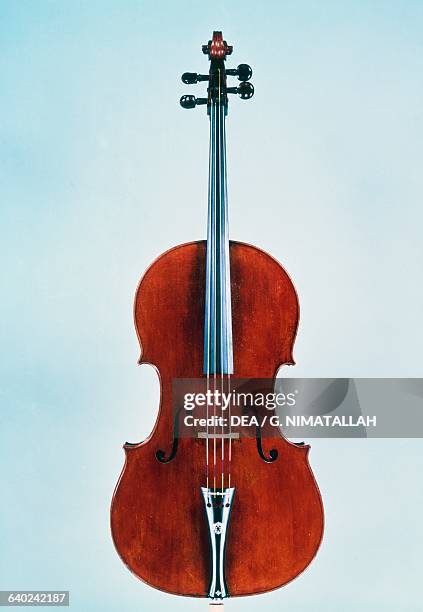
217	90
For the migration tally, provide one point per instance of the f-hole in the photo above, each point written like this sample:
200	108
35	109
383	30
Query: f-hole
161	454
273	453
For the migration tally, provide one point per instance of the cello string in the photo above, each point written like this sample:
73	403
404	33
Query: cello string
221	276
228	292
214	297
228	304
208	297
211	278
217	289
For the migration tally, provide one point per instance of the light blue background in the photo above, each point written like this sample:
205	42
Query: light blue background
101	171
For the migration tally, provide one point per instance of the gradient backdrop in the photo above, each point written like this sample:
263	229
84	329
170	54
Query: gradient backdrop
100	171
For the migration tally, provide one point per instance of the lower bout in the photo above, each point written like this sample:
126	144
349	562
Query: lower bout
161	531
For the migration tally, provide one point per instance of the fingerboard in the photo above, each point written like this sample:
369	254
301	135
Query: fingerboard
218	353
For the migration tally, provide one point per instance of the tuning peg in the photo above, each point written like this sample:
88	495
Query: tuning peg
244	90
189	78
243	72
191	101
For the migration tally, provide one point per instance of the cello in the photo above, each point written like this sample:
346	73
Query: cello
215	514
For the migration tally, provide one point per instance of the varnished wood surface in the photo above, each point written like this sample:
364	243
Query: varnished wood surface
157	517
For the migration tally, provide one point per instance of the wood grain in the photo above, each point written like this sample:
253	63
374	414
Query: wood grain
157	516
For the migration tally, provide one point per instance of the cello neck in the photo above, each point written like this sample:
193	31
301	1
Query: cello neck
218	351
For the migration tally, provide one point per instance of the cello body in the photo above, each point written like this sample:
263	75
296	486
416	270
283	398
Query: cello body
158	525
